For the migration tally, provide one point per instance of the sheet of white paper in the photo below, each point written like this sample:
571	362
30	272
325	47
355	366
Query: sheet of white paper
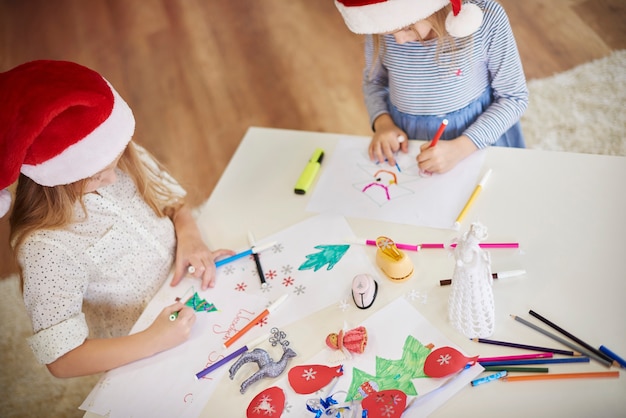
352	185
165	385
387	331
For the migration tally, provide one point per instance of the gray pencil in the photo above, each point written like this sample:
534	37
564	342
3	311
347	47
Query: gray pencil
574	347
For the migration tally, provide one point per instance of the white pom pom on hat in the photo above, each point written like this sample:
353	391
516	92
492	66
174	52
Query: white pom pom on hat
60	122
382	16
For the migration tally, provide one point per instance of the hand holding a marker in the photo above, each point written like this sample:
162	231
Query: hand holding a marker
165	333
445	155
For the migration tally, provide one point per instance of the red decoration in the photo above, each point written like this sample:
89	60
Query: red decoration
313	377
269	403
389	403
445	361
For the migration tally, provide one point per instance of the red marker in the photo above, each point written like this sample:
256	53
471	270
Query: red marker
442	127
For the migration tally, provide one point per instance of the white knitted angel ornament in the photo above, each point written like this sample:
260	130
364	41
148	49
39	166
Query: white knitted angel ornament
471	307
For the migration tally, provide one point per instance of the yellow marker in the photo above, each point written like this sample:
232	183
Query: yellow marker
309	172
477	189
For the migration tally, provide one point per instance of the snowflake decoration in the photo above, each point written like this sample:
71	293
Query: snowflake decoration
288	281
271	274
267	288
278	248
263	322
444	359
387	411
241	287
228	270
309	374
265	406
287	269
300	290
344	305
414	295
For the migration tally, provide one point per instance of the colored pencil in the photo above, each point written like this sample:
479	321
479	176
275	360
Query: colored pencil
514	369
536	361
570	336
614	356
550	376
562	341
515	357
527	347
438	134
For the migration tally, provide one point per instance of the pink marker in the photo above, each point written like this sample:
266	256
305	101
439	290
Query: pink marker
515	357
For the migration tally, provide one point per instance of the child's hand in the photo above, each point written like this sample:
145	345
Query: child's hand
166	333
445	156
193	257
387	140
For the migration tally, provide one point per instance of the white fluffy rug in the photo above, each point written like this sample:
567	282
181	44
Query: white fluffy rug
581	110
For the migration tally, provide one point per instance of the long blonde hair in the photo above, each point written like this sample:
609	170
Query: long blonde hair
39	207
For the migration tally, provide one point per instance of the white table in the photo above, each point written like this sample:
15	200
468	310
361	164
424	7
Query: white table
567	212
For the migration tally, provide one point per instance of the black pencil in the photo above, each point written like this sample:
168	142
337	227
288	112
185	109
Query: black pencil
570	336
527	347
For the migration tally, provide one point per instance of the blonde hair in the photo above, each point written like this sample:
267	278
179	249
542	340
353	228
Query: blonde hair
38	207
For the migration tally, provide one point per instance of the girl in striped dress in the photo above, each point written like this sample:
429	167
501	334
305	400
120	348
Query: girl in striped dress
430	60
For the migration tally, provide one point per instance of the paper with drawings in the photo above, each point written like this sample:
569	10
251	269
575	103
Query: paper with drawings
165	385
387	342
354	186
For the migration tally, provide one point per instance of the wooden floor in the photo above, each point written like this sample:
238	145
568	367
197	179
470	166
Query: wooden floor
198	73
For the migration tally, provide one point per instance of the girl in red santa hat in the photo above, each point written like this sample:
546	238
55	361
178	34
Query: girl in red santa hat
430	60
96	225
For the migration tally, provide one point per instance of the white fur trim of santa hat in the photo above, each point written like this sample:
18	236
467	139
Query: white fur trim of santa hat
382	16
60	122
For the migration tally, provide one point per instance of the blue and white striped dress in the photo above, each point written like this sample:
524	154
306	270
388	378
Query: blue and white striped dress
478	84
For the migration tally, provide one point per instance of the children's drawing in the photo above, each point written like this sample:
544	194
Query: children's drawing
200	305
352	185
328	254
383	185
392	374
239	298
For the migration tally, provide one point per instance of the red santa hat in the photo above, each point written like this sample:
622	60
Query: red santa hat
381	16
60	122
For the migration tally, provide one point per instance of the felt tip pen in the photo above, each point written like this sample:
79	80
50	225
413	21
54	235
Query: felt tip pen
257	260
255	250
475	193
309	172
231	356
501	275
491	377
418	247
256	320
438	134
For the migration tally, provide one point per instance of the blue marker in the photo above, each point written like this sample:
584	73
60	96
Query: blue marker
489	378
255	250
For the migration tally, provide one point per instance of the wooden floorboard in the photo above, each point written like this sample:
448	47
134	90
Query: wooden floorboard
198	73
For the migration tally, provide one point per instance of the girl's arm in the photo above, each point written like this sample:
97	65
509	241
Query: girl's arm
192	251
100	355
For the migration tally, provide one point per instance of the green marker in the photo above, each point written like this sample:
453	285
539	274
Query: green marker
310	171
